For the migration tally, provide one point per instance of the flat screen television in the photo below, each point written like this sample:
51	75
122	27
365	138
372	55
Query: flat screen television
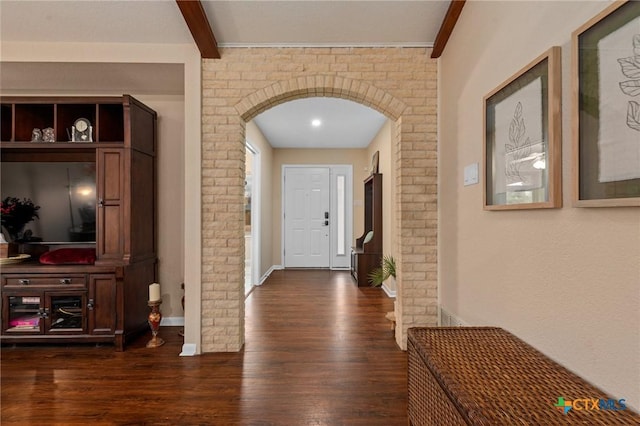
65	192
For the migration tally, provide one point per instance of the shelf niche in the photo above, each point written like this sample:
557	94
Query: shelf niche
19	118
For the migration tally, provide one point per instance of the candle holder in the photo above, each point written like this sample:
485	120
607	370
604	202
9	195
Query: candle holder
155	316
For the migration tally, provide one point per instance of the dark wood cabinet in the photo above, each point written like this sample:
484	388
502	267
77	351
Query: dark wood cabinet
44	312
102	304
366	255
105	301
110	187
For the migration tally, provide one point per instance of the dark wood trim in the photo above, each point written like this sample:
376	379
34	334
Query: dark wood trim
196	19
448	24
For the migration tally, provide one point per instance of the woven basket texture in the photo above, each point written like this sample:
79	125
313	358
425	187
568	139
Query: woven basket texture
487	376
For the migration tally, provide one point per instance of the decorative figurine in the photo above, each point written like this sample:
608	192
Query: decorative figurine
36	135
48	135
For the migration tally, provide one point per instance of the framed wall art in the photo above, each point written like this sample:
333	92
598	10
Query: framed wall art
375	162
523	138
606	108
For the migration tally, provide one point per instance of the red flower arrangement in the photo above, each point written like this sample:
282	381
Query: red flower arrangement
15	214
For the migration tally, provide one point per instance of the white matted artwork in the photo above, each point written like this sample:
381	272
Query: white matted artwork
606	108
519	140
619	106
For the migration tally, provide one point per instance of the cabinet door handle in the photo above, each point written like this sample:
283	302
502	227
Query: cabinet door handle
24	281
90	304
65	280
100	202
44	313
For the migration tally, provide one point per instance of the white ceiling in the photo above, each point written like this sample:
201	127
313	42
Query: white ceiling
326	22
93	21
344	124
235	24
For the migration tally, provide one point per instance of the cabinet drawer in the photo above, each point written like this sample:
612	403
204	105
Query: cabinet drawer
36	281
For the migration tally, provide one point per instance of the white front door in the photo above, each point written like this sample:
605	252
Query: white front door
306	217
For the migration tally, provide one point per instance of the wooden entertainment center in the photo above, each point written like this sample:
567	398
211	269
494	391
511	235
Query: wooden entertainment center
104	301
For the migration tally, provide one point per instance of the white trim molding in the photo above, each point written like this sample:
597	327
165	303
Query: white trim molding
172	322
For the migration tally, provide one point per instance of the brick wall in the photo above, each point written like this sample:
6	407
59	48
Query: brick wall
398	82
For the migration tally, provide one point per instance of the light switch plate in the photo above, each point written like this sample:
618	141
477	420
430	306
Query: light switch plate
471	174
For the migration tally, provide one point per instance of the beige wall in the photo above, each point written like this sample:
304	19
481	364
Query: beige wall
356	157
259	142
382	143
566	281
171	207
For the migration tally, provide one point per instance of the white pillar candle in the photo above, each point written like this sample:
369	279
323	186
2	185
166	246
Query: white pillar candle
154	292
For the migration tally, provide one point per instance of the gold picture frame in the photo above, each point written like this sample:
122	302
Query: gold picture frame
606	108
522	147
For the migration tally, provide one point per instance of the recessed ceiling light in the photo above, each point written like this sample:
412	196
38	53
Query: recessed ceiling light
316	122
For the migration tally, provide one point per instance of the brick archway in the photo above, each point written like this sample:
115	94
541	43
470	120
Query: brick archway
231	98
327	86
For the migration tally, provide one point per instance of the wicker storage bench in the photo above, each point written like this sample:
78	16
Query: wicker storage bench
487	376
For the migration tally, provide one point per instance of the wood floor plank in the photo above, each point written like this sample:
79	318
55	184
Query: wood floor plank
318	352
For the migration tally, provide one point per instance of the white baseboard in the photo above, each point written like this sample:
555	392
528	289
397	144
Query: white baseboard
266	274
390	293
188	349
172	322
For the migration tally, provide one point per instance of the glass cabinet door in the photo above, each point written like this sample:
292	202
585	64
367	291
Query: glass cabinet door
25	313
66	313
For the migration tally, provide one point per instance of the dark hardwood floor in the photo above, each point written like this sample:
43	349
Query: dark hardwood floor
318	351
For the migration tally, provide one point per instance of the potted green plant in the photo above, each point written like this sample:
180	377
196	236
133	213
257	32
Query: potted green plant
386	269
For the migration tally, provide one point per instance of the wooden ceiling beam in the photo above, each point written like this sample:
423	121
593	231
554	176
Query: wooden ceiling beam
198	24
449	22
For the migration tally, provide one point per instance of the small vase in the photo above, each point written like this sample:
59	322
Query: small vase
15	233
